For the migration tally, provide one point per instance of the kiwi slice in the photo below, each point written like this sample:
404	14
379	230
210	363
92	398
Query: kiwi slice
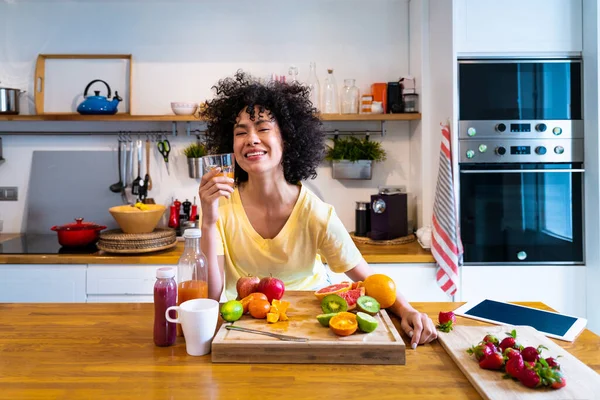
368	304
332	303
366	322
324	318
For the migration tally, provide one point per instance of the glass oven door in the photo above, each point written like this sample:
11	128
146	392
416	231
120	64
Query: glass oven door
519	89
522	213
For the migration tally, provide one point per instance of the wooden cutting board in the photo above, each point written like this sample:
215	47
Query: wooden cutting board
382	346
582	381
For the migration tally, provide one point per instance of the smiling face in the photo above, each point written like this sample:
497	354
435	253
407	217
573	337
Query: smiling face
257	144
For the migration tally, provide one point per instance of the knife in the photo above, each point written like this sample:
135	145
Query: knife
275	335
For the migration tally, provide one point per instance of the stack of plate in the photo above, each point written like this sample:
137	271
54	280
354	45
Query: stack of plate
116	241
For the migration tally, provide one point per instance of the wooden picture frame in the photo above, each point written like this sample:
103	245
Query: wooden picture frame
40	74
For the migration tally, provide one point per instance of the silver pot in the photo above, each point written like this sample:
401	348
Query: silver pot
9	100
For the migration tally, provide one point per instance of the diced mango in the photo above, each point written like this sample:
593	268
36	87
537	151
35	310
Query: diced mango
283	316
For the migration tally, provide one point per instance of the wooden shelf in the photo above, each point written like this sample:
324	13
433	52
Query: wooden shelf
371	117
111	118
191	118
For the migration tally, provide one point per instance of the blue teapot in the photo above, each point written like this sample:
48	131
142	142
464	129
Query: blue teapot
98	105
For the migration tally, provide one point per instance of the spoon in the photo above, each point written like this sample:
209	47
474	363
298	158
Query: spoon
117	187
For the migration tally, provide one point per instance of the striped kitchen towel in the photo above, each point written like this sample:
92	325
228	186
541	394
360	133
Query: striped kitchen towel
446	245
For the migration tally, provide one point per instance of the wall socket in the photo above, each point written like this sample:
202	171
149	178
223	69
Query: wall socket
9	193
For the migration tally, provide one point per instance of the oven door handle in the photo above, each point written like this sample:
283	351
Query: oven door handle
519	171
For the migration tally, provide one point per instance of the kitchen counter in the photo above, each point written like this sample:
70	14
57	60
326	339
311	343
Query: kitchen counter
404	253
105	351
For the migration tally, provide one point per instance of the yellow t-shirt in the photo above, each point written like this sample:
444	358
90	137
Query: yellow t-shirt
313	229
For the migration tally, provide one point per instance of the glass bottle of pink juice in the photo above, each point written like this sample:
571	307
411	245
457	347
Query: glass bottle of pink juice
165	296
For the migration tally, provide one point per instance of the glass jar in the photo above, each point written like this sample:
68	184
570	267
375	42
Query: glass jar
350	97
314	86
192	277
330	95
165	296
410	102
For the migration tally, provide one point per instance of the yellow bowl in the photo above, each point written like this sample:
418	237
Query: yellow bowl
133	220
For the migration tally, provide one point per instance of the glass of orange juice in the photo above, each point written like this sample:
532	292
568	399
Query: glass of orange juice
225	161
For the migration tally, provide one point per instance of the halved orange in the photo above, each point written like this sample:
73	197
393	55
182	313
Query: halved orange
343	324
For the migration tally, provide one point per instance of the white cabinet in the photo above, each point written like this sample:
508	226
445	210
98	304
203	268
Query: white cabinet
514	26
560	287
121	283
415	281
24	283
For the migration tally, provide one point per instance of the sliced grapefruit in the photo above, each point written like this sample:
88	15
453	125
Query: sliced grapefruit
333	289
351	296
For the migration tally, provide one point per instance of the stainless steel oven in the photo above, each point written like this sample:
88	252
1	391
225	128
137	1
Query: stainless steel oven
521	161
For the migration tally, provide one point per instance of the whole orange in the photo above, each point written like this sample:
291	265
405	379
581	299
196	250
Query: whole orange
259	308
382	288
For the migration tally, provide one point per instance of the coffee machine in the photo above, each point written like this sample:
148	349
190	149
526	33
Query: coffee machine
389	214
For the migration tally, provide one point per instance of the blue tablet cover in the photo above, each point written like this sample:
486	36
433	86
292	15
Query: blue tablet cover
556	324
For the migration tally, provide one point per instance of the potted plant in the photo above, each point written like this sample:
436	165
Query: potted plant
352	158
193	152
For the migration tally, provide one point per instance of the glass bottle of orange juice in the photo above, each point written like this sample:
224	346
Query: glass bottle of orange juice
191	271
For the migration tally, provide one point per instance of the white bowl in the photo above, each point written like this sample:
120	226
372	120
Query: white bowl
182	108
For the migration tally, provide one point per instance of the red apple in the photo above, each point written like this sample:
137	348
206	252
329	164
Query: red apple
271	287
246	285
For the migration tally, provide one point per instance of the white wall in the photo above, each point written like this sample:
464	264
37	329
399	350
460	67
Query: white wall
591	43
182	48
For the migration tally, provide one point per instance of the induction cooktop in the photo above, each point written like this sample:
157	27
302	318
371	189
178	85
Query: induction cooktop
41	244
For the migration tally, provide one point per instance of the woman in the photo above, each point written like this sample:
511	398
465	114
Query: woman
269	223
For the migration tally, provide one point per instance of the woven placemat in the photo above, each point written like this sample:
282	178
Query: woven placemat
400	240
119	235
135	251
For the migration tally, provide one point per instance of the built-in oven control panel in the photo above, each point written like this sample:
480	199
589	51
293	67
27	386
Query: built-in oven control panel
533	129
520	151
520	141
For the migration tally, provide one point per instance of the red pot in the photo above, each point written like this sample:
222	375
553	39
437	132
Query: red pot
78	234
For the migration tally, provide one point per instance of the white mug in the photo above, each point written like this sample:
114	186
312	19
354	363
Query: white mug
198	319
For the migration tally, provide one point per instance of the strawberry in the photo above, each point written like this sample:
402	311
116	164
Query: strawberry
529	378
512	353
493	361
481	351
491	339
510	341
560	383
552	363
446	320
514	366
530	354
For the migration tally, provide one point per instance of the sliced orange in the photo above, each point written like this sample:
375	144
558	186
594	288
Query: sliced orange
382	288
272	317
343	324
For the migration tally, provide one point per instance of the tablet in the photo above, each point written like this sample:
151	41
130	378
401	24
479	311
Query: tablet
554	325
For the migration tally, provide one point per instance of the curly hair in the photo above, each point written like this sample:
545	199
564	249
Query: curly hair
288	104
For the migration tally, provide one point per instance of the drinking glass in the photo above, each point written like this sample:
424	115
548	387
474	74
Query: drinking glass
225	161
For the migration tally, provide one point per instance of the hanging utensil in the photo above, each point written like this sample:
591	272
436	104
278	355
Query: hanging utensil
123	146
117	187
137	182
164	147
147	178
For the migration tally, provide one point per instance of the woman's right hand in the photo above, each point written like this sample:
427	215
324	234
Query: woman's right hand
212	186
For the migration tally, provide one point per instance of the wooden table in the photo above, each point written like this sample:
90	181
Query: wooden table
105	351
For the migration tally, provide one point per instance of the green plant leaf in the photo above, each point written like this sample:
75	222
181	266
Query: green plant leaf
195	150
354	149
